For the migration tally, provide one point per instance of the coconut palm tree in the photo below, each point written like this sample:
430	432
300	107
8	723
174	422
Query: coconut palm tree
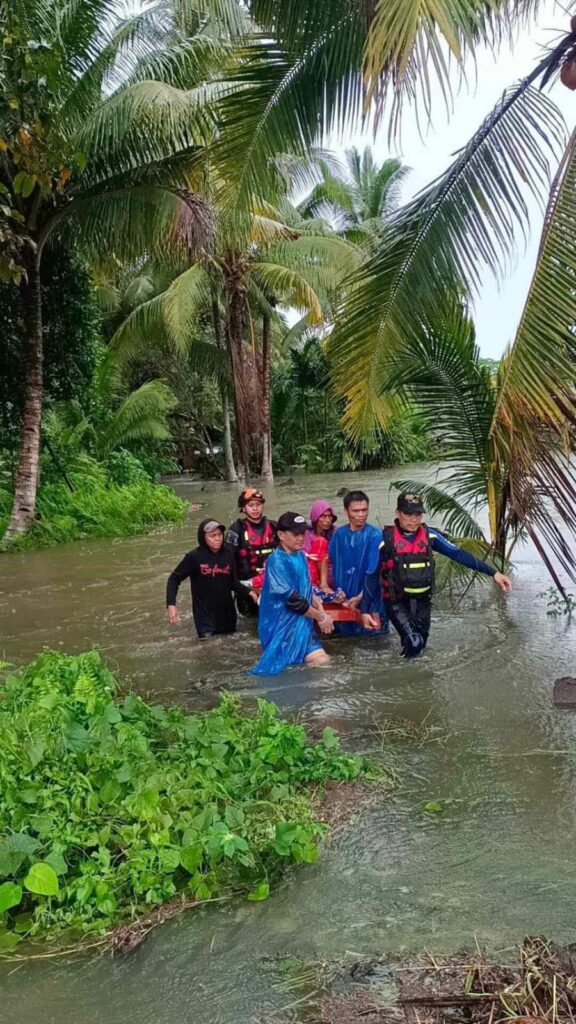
284	259
508	476
361	199
326	63
309	69
100	120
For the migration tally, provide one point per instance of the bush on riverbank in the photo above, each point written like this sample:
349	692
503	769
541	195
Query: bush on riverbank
109	806
95	508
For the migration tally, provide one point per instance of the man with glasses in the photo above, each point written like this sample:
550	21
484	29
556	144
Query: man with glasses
404	575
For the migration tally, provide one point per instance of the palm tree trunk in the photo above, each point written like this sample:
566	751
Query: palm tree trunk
231	474
26	482
235	350
267	469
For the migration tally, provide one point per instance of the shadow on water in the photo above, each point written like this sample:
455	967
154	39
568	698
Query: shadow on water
493	861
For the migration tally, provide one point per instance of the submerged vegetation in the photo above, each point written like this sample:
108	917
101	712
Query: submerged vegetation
110	806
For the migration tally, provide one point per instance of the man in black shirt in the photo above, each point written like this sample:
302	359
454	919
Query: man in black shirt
252	537
210	569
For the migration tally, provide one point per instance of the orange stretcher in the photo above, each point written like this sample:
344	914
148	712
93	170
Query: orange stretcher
340	614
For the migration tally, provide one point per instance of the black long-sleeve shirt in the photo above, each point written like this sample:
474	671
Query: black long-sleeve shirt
212	581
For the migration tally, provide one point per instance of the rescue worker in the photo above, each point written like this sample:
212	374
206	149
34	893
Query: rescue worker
404	574
252	537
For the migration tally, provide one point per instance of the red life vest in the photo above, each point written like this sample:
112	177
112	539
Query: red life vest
407	565
256	546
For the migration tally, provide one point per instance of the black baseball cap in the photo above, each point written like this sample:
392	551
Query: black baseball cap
410	504
293	522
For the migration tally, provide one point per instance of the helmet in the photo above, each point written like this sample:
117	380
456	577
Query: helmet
250	494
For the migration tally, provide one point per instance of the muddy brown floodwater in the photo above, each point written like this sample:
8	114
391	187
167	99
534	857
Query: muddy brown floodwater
494	862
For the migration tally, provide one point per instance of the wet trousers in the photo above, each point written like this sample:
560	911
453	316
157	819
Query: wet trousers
246	606
411	620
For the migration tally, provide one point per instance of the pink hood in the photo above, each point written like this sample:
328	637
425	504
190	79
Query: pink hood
318	509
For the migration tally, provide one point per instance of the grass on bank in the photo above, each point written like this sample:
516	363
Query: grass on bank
111	806
96	507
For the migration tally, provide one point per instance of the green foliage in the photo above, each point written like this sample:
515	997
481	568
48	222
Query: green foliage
359	199
110	806
71	328
307	429
96	507
124	468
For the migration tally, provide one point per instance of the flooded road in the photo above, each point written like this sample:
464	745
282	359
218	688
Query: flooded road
493	861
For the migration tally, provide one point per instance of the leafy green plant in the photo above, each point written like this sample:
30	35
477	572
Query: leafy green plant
110	806
95	508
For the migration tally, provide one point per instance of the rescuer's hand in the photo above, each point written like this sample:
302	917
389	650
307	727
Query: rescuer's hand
326	625
503	581
371	621
173	617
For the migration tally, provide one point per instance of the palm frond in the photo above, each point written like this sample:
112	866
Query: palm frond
142	415
330	198
439	371
541	489
106	45
277	106
131	221
267	226
170	319
538	375
143	123
408	43
220	19
439	243
185	65
290	287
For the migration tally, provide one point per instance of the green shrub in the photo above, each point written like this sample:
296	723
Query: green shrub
110	806
96	508
124	468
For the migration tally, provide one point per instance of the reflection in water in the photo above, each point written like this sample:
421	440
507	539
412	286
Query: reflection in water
496	862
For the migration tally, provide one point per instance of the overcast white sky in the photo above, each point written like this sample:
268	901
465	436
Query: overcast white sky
498	309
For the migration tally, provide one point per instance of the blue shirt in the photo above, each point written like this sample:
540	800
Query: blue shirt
353	553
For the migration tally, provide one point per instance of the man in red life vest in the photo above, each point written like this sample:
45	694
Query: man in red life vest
404	574
252	537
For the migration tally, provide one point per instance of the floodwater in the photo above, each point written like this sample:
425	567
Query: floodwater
495	862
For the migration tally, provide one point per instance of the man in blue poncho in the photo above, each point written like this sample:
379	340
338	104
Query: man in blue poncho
288	608
354	552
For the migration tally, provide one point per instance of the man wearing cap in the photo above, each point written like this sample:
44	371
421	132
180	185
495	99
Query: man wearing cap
288	608
210	569
252	538
404	574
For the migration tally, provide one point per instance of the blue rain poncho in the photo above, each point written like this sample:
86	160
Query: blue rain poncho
285	636
353	554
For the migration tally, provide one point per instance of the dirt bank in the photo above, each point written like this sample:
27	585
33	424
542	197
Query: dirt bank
536	986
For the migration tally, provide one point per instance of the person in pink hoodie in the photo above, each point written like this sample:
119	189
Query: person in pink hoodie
322	519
